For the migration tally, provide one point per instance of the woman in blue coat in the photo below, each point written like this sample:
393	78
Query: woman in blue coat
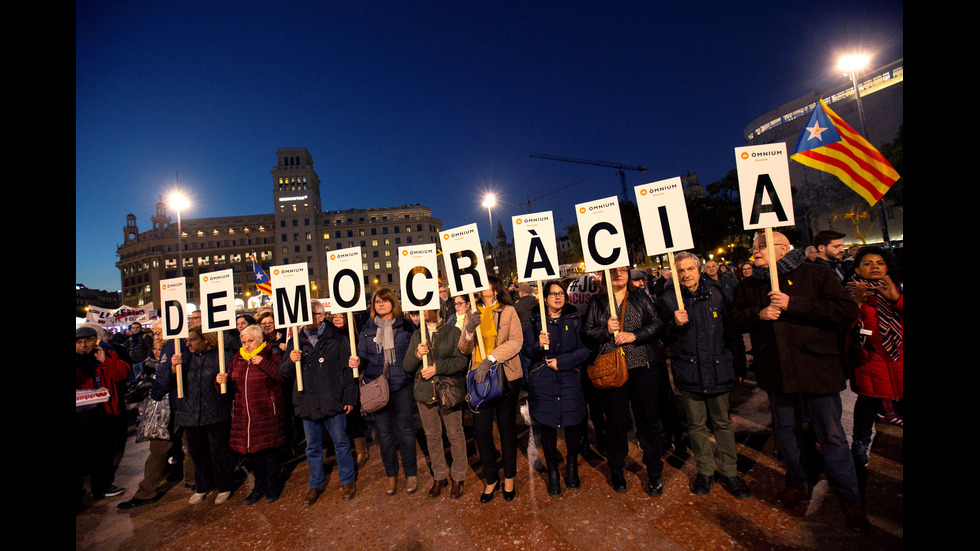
555	397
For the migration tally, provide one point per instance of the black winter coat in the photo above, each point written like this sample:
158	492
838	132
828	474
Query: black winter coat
595	332
800	351
202	404
372	360
328	382
704	358
555	398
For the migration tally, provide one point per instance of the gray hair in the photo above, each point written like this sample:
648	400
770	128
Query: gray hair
684	254
254	331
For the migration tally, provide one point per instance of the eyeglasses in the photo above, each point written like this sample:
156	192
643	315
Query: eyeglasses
556	294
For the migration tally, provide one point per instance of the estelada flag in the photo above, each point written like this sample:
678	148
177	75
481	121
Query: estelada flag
261	280
829	144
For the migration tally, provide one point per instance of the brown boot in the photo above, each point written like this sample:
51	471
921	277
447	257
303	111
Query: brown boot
392	485
348	491
457	490
437	486
361	450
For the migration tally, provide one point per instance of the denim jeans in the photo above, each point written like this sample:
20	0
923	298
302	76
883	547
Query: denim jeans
396	432
337	429
823	411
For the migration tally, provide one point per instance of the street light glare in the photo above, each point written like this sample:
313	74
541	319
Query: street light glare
489	201
852	62
178	201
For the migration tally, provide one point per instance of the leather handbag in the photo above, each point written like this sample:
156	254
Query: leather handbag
490	388
609	370
374	395
450	391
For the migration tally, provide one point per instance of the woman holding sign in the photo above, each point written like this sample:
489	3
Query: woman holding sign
634	331
205	416
557	357
381	350
444	363
258	411
497	321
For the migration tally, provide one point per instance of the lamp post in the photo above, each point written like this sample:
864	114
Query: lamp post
489	201
178	201
851	65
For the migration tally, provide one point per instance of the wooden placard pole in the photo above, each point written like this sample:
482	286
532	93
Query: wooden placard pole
612	299
180	372
479	334
677	282
299	364
425	358
221	359
350	335
543	296
771	251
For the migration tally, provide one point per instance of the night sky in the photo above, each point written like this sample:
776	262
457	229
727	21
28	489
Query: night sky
430	102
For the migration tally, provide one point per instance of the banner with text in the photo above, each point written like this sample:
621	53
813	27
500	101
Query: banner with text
291	295
345	273
663	216
217	301
173	296
418	272
124	316
600	227
466	270
764	186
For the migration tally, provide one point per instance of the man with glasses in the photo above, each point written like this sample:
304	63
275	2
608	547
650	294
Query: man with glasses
797	361
324	354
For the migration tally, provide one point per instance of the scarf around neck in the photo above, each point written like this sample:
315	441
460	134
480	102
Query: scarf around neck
889	320
385	339
247	356
793	260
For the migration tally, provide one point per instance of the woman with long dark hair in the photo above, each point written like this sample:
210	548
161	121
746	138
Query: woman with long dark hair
497	322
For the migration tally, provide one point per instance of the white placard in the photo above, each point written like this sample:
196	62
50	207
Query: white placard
173	312
536	247
418	272
600	227
764	186
462	252
217	301
663	215
291	295
345	271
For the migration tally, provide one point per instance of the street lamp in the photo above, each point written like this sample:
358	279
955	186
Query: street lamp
178	201
489	201
852	64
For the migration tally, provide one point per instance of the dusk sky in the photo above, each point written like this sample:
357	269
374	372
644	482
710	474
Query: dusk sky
430	102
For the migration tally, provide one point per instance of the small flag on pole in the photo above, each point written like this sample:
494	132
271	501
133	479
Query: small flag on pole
261	280
831	145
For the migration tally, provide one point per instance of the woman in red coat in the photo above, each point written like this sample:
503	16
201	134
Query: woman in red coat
875	345
258	414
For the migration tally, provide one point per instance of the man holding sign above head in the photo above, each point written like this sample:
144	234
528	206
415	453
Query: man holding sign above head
797	361
328	394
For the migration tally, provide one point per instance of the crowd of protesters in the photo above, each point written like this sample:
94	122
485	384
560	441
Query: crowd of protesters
834	318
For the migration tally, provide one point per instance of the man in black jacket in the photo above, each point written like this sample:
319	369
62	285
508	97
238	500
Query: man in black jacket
797	361
328	395
706	367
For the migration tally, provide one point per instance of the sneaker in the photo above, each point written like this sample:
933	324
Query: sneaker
222	497
702	485
111	491
891	419
735	486
196	498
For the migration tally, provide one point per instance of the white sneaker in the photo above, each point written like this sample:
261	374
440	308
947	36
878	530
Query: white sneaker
222	497
196	498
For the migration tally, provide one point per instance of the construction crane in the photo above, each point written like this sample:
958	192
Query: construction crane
620	167
529	200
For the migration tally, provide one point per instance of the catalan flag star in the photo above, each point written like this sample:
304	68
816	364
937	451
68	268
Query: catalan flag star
815	131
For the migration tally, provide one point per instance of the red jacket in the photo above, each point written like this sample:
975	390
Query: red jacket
111	371
258	413
876	374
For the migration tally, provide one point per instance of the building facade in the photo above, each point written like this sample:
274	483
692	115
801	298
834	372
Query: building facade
820	200
297	231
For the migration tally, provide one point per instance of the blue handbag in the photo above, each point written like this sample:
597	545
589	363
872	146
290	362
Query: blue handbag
490	388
